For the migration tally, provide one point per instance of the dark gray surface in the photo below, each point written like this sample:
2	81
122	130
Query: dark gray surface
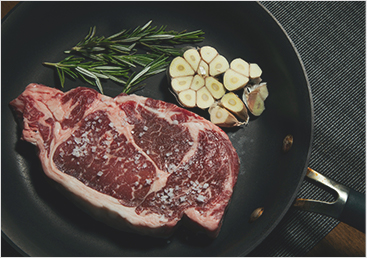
330	38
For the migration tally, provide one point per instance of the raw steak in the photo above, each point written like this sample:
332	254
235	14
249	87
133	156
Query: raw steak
135	163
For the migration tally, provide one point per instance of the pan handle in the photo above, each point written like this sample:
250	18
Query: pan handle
349	206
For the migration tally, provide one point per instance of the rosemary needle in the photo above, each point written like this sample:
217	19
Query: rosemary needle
116	57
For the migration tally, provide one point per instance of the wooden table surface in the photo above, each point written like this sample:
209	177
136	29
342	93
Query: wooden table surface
342	241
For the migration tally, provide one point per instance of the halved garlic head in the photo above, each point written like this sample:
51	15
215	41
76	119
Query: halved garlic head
208	53
215	87
232	80
180	67
187	98
218	66
192	56
234	104
203	98
195	82
181	83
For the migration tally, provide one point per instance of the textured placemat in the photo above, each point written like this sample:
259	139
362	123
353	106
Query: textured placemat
330	38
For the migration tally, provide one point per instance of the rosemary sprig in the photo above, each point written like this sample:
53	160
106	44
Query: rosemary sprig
147	34
116	57
91	72
77	67
158	65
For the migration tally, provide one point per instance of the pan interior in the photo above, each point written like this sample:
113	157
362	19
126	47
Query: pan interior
43	222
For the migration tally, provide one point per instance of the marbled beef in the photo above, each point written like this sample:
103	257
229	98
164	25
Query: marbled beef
135	163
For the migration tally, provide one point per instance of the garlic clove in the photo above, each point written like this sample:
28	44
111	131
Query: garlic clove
181	83
222	117
187	98
241	66
197	82
203	69
218	66
203	98
232	80
215	87
192	56
263	91
180	67
254	102
235	105
208	53
255	71
261	88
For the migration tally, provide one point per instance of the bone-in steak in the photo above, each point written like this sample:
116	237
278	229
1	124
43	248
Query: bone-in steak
135	163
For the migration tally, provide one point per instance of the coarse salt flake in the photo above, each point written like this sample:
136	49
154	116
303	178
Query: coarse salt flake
200	198
76	152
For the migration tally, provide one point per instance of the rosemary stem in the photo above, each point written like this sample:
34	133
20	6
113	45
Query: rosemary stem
59	65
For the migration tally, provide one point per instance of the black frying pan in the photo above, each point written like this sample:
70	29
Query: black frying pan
39	221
